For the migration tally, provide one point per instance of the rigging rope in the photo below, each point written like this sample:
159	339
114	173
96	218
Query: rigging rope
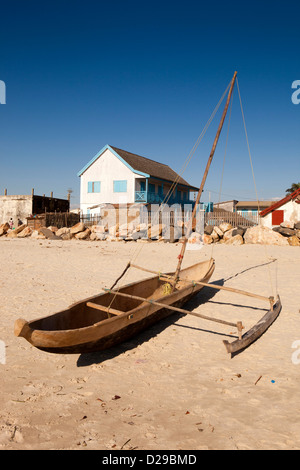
251	163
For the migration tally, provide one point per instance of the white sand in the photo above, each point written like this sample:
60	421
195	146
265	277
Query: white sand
174	387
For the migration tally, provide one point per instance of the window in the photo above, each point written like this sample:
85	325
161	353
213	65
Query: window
120	186
94	186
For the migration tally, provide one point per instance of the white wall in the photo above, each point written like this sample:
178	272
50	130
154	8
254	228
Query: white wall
106	169
291	214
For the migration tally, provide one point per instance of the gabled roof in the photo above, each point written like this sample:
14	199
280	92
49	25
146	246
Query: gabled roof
276	205
142	166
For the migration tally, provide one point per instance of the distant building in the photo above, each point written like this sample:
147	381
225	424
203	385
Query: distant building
115	176
251	208
226	205
285	210
22	206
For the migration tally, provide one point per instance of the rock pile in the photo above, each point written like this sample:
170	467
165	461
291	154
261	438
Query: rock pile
286	234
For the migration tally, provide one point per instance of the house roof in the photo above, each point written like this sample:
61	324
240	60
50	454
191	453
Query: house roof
142	165
254	204
276	205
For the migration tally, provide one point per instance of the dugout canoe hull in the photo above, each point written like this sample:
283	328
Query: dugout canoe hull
83	327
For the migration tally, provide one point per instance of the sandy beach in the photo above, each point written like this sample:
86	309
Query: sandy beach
174	387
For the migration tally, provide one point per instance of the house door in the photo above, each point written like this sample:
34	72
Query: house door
277	217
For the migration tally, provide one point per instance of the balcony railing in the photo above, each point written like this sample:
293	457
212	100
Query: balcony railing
155	198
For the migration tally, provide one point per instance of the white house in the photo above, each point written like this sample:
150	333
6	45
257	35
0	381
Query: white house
115	176
285	210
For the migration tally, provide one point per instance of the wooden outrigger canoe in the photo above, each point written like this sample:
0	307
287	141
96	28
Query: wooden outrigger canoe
105	320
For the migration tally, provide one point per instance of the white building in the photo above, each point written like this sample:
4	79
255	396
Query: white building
285	210
115	176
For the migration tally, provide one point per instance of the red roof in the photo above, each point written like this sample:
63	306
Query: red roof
276	205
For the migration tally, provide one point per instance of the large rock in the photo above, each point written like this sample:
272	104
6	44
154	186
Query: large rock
225	226
264	236
215	235
218	231
4	228
287	224
14	233
83	235
294	241
155	230
297	225
286	232
48	233
25	233
98	228
235	240
62	231
208	229
229	234
207	239
80	227
238	231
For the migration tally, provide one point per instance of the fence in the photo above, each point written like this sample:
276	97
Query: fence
233	218
172	217
56	219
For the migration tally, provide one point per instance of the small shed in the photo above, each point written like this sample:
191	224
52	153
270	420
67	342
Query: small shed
285	210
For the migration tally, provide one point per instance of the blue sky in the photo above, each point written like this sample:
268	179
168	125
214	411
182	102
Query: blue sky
145	77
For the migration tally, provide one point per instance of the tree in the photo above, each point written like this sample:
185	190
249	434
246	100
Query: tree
293	188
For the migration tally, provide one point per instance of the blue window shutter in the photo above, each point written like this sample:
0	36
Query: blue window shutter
97	186
90	187
120	186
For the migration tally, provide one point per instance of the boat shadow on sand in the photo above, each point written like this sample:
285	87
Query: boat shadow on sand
204	296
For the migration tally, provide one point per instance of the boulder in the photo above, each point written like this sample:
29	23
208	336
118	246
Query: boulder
62	231
141	227
48	233
66	236
100	236
80	227
286	232
53	229
235	240
294	241
287	224
264	236
228	234
113	230
4	229
208	229
225	226
214	235
207	239
25	233
218	231
297	225
155	230
238	231
14	233
83	235
98	229
195	237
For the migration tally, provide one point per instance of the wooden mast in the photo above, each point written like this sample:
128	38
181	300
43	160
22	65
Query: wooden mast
180	257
